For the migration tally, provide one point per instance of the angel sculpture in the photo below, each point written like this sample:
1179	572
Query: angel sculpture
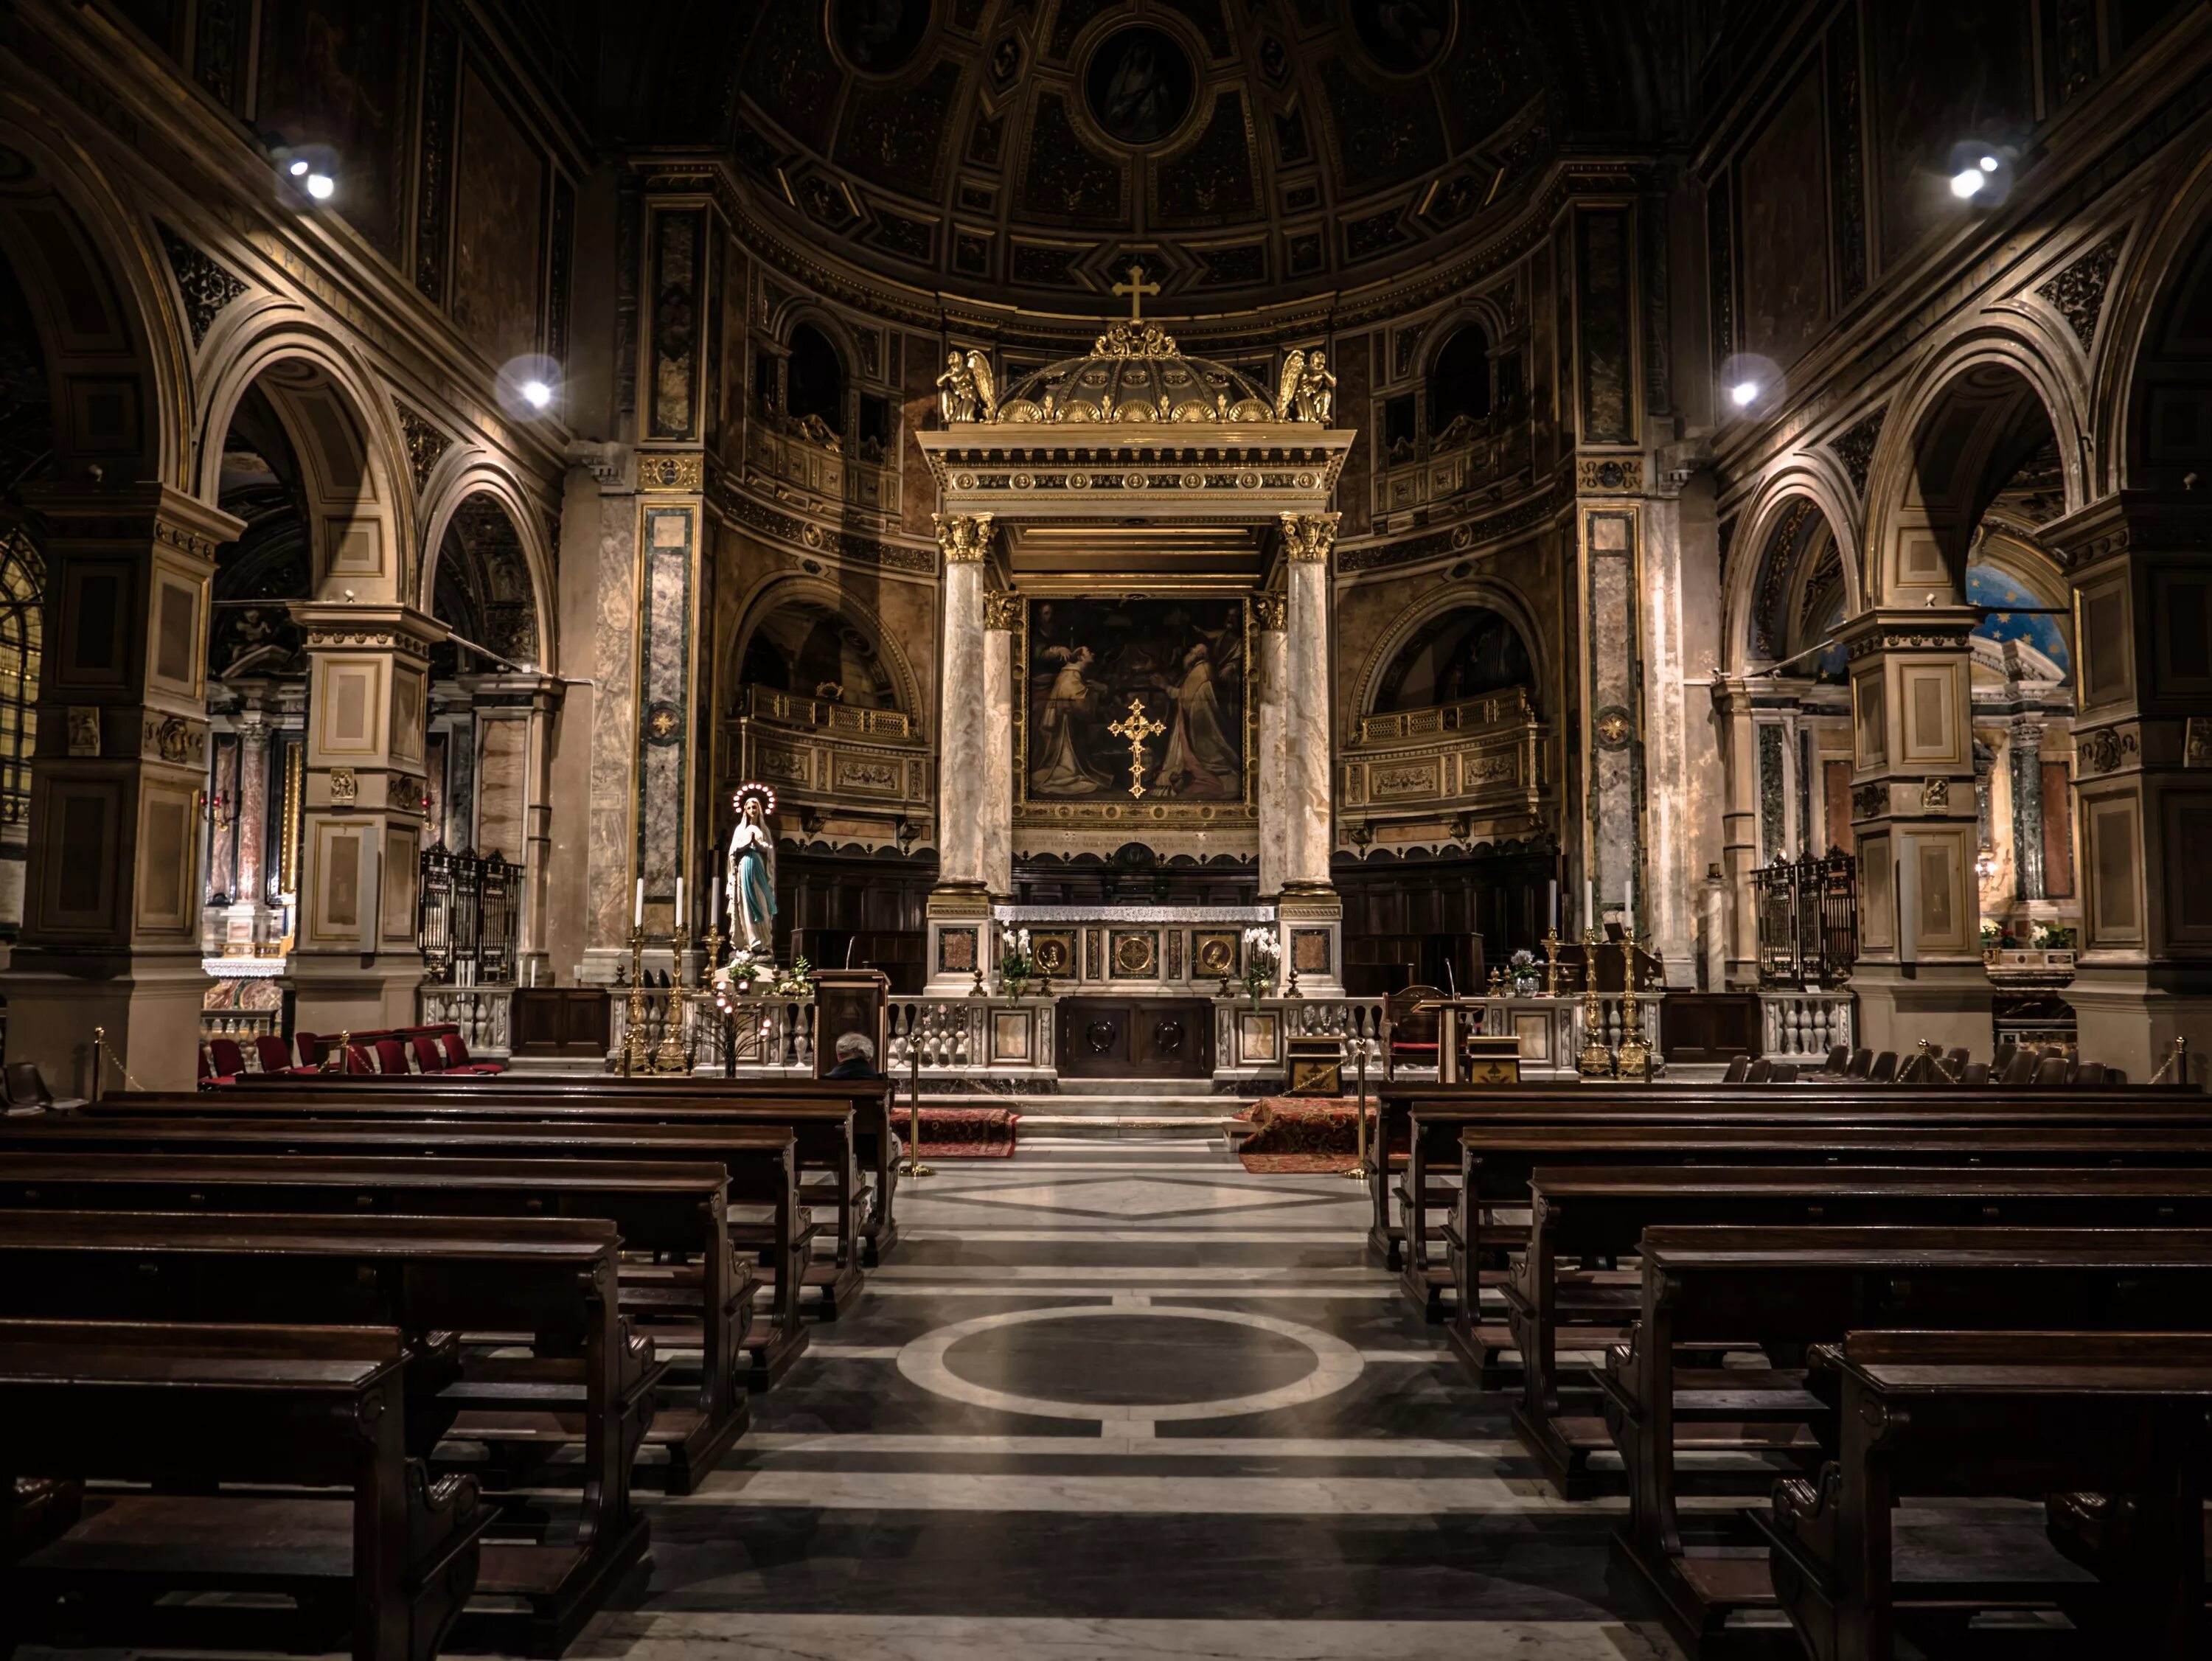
1287	390
986	393
1316	393
957	395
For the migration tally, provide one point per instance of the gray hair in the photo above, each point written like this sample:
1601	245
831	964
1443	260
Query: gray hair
855	1044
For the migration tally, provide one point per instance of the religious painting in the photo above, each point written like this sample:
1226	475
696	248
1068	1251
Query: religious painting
498	220
878	37
1169	673
1213	953
332	74
1136	955
1403	36
1139	85
1957	73
1785	230
1054	952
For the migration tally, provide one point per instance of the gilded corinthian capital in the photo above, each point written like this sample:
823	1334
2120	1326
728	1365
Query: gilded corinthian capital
1308	537
964	537
1002	608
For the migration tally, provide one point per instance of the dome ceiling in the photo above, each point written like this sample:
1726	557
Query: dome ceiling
1246	152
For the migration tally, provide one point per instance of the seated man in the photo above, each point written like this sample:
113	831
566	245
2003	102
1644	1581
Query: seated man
856	1057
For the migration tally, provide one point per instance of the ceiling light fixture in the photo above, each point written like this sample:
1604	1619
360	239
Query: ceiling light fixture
322	186
1742	393
536	394
1967	182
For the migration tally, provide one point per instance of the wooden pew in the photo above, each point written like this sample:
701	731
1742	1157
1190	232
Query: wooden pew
186	1407
873	1102
824	1132
1498	1160
1954	1414
1441	1110
552	1278
758	1158
1427	1276
1779	1289
657	1208
1601	1212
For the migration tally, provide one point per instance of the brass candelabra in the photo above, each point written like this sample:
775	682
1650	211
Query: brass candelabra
673	1057
1595	1059
636	1058
1633	1059
1551	944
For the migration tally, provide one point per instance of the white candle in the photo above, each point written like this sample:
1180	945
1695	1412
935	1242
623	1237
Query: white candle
1628	903
1589	904
1551	903
714	904
637	918
680	917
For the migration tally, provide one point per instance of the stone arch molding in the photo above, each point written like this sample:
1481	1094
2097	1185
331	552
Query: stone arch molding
1499	596
476	476
781	590
348	450
1809	476
1968	405
2157	256
117	361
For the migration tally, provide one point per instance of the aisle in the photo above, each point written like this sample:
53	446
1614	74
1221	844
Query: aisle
1125	1400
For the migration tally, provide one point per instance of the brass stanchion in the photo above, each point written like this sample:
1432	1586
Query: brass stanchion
1633	1058
99	1059
1595	1059
1361	1171
911	1165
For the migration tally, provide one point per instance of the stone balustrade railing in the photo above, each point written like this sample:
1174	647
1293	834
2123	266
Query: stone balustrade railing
484	1014
1805	1025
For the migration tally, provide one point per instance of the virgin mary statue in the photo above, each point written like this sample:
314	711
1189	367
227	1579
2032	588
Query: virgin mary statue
752	872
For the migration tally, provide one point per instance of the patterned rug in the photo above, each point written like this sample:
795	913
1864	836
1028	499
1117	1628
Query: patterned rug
1301	1134
961	1133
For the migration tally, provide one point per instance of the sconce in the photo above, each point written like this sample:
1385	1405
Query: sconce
218	812
908	834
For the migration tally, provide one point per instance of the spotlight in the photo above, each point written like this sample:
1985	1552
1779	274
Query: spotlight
529	387
1967	183
321	186
536	394
1979	172
1749	384
1988	164
1742	393
298	170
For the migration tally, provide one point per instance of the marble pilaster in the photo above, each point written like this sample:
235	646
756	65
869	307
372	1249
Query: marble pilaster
1001	615
1268	611
963	744
2026	737
1681	796
1739	826
112	917
515	715
1312	914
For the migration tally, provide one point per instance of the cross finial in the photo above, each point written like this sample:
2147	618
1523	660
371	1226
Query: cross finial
1136	729
1136	287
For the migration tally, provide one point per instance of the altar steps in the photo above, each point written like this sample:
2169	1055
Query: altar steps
1153	1108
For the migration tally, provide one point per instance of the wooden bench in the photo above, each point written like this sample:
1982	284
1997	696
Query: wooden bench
758	1158
552	1281
1497	1161
1954	1416
824	1132
873	1102
1782	1289
1601	1212
183	1408
702	1299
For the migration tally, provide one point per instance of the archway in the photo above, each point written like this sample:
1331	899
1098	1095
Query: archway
1459	654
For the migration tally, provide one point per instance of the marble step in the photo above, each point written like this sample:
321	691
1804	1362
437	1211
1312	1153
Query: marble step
1047	1125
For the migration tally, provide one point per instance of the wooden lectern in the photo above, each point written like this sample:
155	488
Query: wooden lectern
1471	1057
851	1001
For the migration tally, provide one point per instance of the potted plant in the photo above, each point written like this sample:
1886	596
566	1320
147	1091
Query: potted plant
2054	936
738	978
1018	965
797	981
1263	956
1992	940
1523	966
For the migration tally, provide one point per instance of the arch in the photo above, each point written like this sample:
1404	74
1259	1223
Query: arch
1459	381
1482	593
815	376
2155	413
478	480
116	366
1965	424
345	439
790	592
1807	482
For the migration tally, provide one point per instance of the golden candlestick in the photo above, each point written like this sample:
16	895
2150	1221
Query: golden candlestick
673	1057
713	961
1595	1059
1551	944
1634	1057
635	1056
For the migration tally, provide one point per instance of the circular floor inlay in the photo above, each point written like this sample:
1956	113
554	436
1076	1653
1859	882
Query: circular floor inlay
1094	1361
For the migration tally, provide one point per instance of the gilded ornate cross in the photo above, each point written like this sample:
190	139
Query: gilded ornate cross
1136	287
1136	729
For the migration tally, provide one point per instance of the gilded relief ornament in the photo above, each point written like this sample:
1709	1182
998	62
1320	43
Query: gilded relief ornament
1934	792
345	789
965	538
1308	537
1002	608
1613	727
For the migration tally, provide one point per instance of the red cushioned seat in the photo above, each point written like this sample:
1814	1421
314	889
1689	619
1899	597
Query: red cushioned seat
427	1056
358	1060
457	1056
391	1056
226	1057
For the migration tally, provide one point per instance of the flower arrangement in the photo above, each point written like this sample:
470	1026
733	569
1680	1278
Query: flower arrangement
1263	956
1018	964
797	981
1523	965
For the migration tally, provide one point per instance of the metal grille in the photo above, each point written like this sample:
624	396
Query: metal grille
1808	919
470	915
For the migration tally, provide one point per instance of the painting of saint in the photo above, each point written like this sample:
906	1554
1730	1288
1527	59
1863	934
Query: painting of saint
1138	85
1183	658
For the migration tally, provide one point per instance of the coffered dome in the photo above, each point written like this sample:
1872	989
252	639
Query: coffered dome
1251	152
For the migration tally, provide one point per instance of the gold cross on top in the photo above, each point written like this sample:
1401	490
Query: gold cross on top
1136	287
1136	729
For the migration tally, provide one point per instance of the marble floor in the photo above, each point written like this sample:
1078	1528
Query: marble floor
1124	1400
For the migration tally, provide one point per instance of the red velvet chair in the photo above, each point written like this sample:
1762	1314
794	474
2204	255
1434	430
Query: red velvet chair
227	1059
427	1056
457	1056
390	1058
358	1060
1413	1036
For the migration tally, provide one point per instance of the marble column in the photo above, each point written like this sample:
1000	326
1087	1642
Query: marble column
1677	634
514	732
112	914
1269	613
354	963
1920	974
2142	776
1739	826
1002	611
959	905
1312	914
2027	808
252	922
